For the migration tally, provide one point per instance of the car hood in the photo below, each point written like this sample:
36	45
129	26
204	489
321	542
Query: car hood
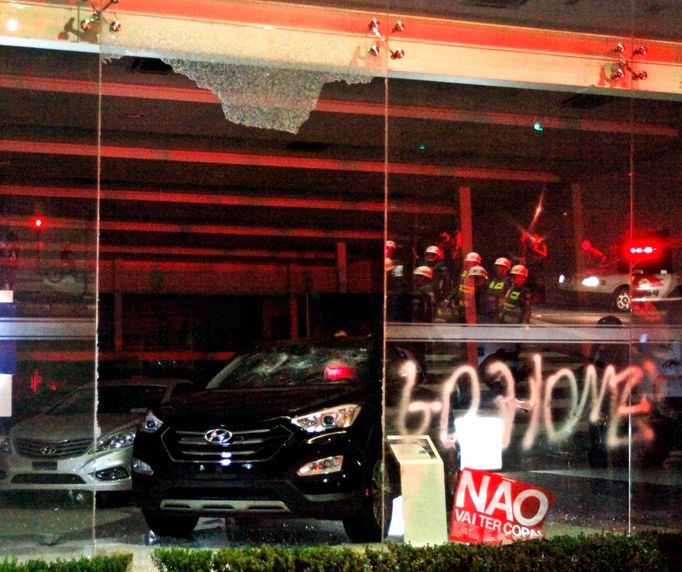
46	427
249	405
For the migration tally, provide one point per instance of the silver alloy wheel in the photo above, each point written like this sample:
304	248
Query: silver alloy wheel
623	300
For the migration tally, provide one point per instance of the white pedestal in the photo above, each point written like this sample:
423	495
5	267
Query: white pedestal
5	395
6	297
422	481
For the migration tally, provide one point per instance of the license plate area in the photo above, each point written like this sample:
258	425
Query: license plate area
44	465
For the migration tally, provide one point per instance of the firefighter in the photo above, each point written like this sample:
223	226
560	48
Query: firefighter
465	288
496	291
517	303
423	300
394	269
398	295
433	258
477	278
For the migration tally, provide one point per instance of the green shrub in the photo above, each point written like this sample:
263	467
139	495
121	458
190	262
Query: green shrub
114	563
643	552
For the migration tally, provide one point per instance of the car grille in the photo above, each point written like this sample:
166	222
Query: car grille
250	445
47	479
50	449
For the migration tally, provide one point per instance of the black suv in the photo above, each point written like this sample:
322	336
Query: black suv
291	429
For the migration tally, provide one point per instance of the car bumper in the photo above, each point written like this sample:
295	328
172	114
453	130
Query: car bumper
108	472
258	497
271	487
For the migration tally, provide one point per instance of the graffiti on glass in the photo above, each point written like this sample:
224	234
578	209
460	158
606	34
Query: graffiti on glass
592	396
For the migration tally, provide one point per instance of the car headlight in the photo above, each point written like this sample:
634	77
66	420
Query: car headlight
116	440
151	423
338	417
5	444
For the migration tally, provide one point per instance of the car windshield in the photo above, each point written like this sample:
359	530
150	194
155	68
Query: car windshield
295	366
112	399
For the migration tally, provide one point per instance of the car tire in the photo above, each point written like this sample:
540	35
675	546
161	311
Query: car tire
622	300
372	521
167	525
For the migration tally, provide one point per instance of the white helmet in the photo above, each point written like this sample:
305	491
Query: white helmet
390	244
423	271
473	257
478	271
502	261
433	250
519	269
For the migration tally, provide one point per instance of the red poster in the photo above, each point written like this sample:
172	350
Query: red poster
492	509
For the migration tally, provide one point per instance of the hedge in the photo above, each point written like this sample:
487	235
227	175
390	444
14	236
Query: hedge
114	563
646	552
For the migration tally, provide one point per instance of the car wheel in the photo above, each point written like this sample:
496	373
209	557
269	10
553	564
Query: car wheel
167	525
622	300
372	521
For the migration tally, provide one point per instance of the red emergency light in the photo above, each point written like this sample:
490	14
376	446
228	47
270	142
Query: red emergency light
643	249
38	223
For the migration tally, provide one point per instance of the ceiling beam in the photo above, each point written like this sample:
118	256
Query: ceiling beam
110	250
225	200
196	95
64	223
339	41
271	161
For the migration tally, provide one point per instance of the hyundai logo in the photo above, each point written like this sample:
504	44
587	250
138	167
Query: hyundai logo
218	436
48	451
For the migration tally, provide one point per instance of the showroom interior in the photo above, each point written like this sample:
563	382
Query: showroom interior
185	179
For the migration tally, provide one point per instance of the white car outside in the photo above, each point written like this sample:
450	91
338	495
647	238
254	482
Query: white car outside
621	289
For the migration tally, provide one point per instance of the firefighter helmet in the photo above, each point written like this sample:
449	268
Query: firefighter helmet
473	257
502	261
519	269
425	271
478	271
433	249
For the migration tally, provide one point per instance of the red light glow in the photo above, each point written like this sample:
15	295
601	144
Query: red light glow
338	372
642	250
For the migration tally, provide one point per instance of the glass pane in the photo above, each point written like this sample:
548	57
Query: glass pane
48	234
242	202
539	336
233	168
